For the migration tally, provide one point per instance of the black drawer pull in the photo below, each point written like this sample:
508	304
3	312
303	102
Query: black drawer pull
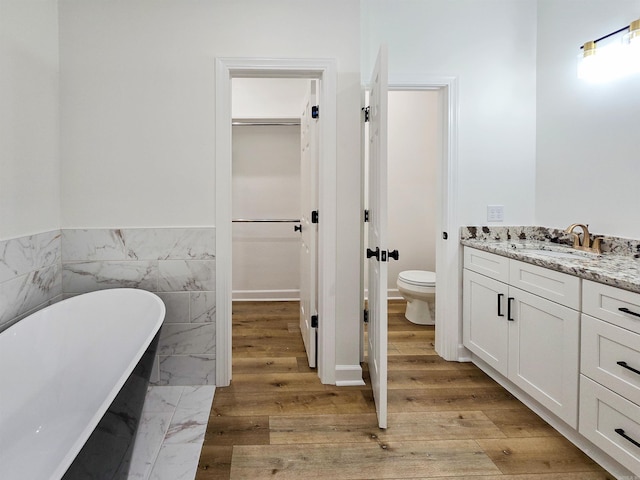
625	365
626	310
620	432
500	295
509	300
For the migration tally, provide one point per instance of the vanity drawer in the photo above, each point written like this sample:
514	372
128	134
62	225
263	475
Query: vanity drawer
603	346
612	304
485	263
605	417
555	286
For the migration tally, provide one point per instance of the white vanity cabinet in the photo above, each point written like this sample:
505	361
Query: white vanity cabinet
610	372
522	320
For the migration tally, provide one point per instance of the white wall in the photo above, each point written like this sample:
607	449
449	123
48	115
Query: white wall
266	184
588	167
137	112
29	161
489	45
268	97
413	146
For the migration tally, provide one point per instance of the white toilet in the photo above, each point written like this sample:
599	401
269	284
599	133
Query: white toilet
416	286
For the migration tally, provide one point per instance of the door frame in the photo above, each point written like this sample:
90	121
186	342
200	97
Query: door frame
448	330
325	70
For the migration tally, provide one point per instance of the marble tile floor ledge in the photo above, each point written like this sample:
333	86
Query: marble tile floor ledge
171	433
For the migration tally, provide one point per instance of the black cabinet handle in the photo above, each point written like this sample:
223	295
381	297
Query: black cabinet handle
297	228
625	365
509	300
620	432
374	253
500	295
394	254
626	310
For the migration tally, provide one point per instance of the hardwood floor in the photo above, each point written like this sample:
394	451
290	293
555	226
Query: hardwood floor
446	419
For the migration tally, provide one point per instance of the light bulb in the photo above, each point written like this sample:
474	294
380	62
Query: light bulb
631	43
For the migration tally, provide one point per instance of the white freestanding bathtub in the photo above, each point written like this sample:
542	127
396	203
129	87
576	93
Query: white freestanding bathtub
60	370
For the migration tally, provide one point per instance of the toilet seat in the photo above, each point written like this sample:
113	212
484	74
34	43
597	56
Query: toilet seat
418	278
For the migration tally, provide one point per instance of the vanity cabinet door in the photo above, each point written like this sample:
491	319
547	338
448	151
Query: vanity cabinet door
543	352
485	326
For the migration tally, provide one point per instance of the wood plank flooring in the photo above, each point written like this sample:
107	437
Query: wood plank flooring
446	419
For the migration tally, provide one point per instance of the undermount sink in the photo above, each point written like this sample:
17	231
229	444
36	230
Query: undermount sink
550	250
554	254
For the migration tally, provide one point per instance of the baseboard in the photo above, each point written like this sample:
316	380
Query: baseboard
464	355
349	375
392	294
266	295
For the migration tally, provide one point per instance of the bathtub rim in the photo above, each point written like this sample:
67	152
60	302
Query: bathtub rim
59	469
86	433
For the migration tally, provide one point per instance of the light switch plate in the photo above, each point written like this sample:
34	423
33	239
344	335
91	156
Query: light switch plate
495	213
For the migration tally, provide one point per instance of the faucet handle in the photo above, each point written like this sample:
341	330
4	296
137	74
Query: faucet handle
576	239
595	244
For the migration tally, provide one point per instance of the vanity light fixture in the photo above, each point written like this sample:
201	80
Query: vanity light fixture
631	40
610	57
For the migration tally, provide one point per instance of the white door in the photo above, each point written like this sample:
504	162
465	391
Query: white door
309	230
544	352
485	325
377	237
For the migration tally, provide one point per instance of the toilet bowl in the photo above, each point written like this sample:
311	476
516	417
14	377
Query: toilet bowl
416	286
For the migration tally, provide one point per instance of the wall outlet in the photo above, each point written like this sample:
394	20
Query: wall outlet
495	213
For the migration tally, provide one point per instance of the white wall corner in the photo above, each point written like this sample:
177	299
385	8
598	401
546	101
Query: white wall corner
349	375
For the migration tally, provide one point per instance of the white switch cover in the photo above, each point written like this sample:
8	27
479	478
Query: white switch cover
495	213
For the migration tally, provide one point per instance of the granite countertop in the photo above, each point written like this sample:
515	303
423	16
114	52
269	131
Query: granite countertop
622	271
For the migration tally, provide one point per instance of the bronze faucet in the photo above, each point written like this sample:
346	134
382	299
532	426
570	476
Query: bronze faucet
586	244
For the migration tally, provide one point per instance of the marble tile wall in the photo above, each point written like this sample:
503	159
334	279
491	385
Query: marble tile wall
30	275
176	263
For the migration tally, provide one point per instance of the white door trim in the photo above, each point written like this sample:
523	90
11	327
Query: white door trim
448	252
324	70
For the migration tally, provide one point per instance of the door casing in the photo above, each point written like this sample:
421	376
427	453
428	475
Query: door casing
448	265
448	341
325	71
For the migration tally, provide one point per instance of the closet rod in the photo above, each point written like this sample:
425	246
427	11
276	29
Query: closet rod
265	122
264	220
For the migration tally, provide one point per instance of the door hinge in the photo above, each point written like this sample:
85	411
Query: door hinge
366	215
367	111
315	111
314	216
366	316
314	321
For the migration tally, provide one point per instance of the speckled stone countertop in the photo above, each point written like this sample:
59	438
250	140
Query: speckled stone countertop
618	266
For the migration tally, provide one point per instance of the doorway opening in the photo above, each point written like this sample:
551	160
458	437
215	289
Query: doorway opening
419	162
274	195
325	72
266	188
414	153
441	119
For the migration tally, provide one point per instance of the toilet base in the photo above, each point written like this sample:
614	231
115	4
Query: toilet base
418	312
